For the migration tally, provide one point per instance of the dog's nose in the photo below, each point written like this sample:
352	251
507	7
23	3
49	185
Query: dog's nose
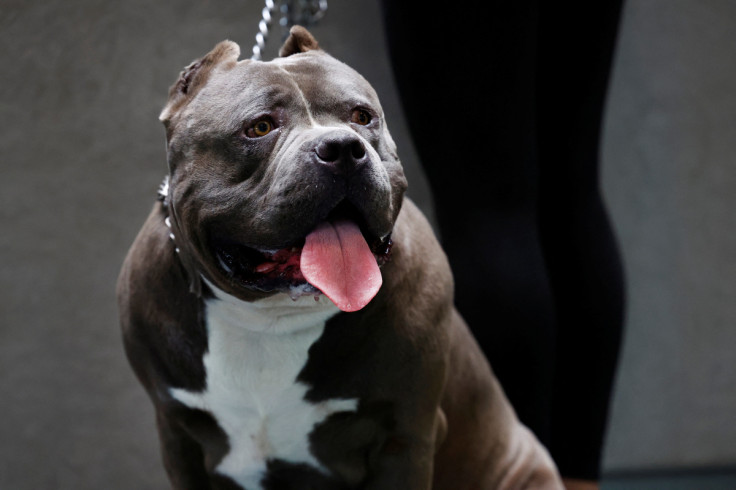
342	152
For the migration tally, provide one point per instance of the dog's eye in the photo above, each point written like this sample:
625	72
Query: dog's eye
361	117
261	128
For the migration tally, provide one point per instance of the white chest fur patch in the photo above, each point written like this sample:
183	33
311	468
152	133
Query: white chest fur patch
256	351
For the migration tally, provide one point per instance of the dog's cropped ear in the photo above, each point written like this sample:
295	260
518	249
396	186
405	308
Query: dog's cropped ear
195	75
299	41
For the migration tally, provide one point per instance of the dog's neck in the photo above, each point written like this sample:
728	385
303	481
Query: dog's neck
163	196
188	262
277	314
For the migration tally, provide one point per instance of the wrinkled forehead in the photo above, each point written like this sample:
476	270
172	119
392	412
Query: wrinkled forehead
323	77
313	80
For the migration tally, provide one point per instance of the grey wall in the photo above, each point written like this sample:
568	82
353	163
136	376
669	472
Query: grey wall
670	178
81	85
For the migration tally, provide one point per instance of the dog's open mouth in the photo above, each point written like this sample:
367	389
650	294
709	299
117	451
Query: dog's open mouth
339	258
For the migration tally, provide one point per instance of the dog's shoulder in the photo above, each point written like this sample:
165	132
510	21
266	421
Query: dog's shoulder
418	258
163	331
150	265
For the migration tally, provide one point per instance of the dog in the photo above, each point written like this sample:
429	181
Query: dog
290	313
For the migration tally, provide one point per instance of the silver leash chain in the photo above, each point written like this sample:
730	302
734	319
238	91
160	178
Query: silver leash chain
302	12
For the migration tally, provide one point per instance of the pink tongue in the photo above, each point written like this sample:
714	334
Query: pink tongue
337	260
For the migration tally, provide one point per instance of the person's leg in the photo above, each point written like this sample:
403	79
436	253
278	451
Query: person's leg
575	51
467	82
477	134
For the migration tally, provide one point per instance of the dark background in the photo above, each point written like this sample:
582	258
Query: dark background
82	153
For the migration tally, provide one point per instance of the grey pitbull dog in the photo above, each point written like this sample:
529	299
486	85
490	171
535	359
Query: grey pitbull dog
290	313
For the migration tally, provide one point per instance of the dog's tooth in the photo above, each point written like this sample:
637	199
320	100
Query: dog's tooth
266	267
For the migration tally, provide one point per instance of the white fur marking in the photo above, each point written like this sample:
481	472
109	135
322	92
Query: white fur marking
256	350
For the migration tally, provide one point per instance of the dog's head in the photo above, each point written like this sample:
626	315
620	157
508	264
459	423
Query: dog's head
264	155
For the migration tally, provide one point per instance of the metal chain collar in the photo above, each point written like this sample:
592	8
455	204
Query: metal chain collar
302	12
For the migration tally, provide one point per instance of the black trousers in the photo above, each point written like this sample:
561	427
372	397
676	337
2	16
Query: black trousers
504	102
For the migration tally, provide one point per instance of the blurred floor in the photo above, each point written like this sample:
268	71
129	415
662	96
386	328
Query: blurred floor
700	480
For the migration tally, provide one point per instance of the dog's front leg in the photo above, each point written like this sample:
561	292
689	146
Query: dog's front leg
409	465
183	457
405	468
